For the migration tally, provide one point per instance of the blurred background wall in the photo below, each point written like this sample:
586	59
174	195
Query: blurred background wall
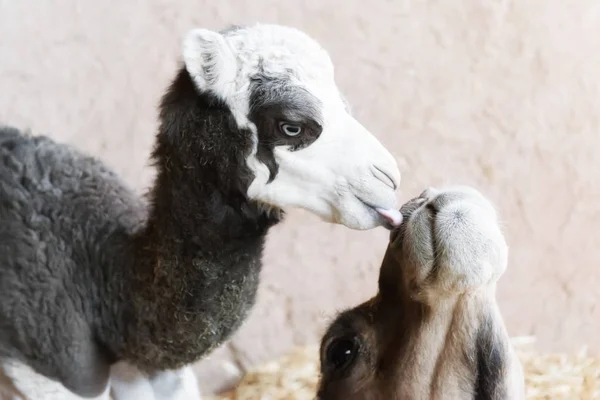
503	95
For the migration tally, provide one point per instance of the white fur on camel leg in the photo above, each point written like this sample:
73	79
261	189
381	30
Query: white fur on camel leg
34	386
176	385
128	383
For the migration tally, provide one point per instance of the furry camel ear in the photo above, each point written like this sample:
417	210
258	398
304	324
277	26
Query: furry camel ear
209	60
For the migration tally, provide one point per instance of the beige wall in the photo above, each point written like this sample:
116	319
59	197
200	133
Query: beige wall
504	96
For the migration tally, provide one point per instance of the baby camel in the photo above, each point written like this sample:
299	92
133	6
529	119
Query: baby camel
93	278
434	330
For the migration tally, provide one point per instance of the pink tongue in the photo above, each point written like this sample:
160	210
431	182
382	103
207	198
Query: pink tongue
394	217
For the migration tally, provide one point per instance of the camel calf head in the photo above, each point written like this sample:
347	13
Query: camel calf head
433	331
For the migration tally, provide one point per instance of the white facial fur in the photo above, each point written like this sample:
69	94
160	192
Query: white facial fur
332	177
456	232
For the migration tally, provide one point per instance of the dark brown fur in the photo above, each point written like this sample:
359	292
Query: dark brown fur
158	286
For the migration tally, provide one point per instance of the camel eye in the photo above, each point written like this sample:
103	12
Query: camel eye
341	353
290	129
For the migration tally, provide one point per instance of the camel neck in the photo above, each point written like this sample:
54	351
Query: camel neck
198	260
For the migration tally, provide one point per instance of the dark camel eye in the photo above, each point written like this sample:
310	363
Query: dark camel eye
290	129
341	353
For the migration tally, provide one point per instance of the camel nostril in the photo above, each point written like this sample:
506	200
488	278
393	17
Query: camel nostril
386	177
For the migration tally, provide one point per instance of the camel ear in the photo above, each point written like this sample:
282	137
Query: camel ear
210	61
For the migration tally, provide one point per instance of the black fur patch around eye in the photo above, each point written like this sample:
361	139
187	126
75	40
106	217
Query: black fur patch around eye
274	100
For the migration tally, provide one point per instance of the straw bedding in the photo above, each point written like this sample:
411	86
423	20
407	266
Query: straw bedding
548	376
